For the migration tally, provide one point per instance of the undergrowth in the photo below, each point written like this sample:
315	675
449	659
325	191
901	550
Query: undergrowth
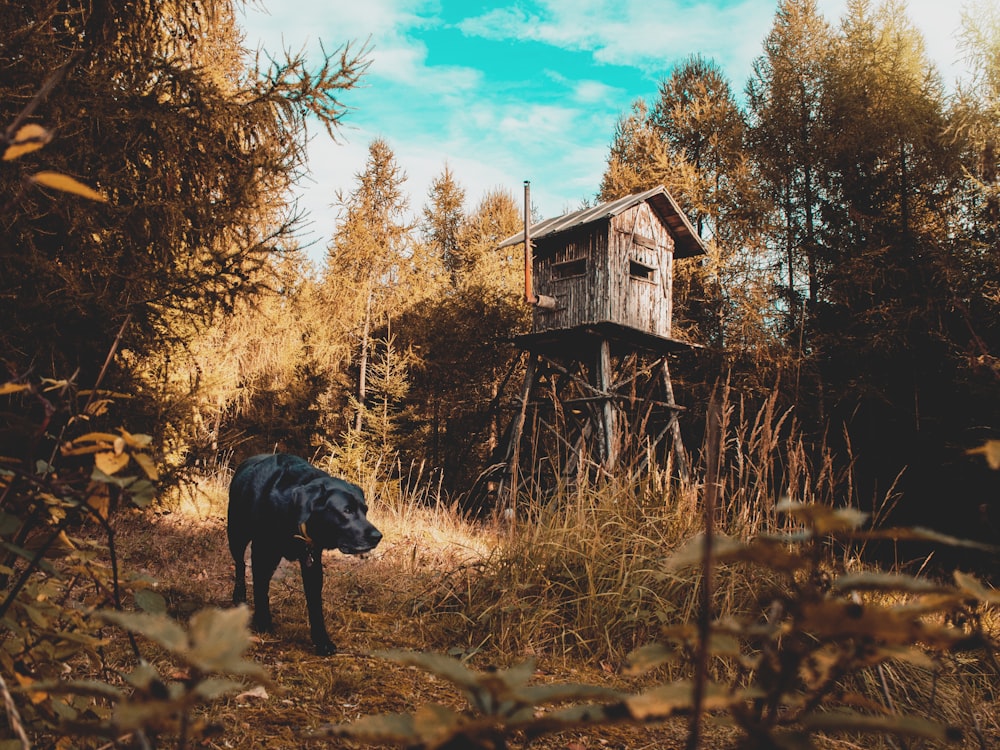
787	642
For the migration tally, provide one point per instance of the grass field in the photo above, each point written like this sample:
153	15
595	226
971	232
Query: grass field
576	589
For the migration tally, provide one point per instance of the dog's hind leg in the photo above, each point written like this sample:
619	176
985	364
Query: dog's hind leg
238	549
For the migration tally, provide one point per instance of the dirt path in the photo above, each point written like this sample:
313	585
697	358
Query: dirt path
371	605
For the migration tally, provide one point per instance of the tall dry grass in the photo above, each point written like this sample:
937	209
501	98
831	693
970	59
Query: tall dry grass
583	572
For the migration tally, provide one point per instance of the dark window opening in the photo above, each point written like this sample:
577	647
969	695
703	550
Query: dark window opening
641	271
569	268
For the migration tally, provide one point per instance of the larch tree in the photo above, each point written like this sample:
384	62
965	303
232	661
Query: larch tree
692	140
888	175
637	157
443	216
703	131
462	338
784	97
887	335
369	255
975	128
152	104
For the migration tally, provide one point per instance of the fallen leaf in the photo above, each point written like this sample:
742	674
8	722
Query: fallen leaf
258	693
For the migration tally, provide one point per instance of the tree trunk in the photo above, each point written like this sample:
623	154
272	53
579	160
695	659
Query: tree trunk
362	375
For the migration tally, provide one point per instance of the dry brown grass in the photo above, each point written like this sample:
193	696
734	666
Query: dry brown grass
388	600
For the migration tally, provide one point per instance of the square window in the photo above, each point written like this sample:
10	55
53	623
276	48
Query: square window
638	270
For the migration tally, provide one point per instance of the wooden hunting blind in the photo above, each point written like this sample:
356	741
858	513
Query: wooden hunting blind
611	263
597	389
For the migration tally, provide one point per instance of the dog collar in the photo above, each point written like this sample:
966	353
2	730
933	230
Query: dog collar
311	555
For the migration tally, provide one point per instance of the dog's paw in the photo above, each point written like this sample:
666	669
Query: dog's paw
325	649
262	625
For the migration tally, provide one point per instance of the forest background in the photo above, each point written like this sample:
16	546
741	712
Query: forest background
850	207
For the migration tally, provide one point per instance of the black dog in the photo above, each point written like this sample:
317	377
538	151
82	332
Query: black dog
287	508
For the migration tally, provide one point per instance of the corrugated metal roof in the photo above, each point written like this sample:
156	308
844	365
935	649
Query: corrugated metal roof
687	241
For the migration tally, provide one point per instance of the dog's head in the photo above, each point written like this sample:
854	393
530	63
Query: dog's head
334	513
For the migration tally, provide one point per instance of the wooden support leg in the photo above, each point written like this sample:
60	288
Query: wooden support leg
609	431
508	487
680	456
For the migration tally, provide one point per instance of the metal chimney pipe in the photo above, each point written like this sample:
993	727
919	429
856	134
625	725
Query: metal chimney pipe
529	293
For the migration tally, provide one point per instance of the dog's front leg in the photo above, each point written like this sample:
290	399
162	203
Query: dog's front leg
312	581
263	562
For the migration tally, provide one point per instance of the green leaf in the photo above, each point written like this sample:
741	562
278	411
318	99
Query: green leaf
519	674
823	519
214	687
910	726
63	710
442	666
647	658
129	716
143	677
396	729
157	627
435	724
142	493
878	581
89	688
918	534
665	701
97	475
9	524
219	638
574	717
773	553
150	601
540	695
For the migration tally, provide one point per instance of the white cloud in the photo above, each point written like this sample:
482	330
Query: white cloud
649	36
534	123
595	92
383	25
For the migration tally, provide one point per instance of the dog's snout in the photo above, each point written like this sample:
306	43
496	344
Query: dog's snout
374	536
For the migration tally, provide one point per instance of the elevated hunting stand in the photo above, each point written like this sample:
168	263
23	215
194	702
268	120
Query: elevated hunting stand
597	392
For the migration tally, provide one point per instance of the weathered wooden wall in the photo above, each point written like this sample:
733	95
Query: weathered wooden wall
618	270
641	254
574	270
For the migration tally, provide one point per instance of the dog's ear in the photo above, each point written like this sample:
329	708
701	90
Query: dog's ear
307	498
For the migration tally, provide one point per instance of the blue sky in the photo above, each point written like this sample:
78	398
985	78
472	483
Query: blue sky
523	90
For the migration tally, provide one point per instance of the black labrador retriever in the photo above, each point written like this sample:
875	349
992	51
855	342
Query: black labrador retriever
285	507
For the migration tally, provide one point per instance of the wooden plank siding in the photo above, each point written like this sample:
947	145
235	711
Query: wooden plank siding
581	297
618	270
640	259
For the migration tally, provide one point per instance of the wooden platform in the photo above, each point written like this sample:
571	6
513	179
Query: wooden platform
572	341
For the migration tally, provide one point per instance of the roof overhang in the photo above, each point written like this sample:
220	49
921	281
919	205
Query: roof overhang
686	240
